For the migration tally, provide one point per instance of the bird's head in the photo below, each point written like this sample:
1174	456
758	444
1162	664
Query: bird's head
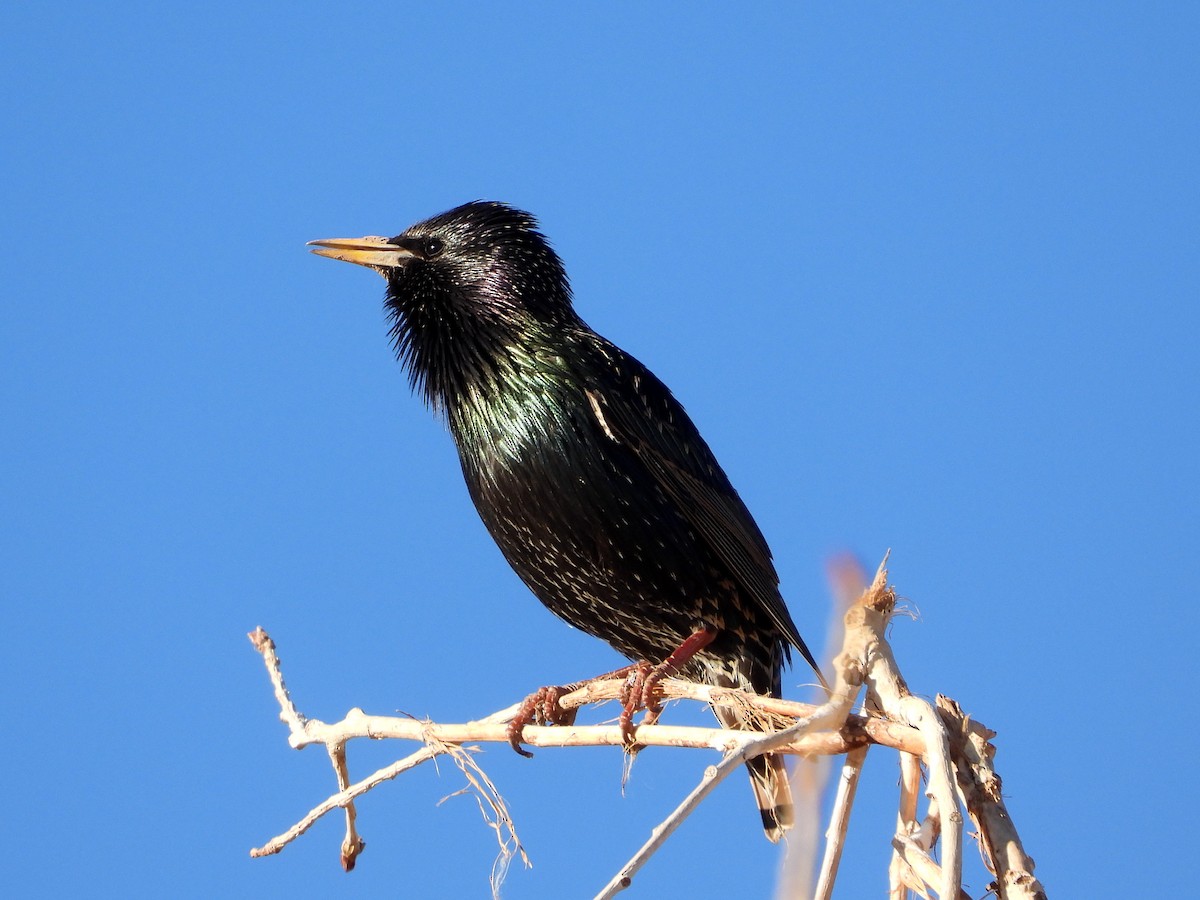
482	258
467	290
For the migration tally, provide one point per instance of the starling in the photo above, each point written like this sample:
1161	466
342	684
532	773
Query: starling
587	472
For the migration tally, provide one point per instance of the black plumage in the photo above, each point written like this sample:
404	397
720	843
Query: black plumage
587	472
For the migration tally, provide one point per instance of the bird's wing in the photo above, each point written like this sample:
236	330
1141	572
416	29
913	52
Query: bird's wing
644	416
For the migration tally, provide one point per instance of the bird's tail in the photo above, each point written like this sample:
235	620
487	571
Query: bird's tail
773	794
768	777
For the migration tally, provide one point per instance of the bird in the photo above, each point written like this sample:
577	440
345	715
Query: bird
585	469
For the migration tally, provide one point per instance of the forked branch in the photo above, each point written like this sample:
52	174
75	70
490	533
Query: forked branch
953	751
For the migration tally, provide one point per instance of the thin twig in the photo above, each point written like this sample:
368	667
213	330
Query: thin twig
921	864
287	709
352	844
340	799
839	821
906	820
747	746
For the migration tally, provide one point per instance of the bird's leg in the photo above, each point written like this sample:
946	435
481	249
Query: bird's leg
640	691
542	707
641	687
670	666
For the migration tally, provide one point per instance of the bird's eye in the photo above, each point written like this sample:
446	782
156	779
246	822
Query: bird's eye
433	247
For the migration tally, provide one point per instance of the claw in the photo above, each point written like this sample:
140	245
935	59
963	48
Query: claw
516	725
542	707
651	693
631	700
641	690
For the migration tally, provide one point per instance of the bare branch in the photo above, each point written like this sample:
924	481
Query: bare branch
906	822
955	751
750	745
981	790
839	821
887	690
343	797
920	866
352	844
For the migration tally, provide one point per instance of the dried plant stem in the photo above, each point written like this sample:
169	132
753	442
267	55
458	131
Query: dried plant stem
839	821
906	822
980	787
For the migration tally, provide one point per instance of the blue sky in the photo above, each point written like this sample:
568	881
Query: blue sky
926	278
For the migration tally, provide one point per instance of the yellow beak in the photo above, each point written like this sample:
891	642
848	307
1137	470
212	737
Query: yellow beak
375	252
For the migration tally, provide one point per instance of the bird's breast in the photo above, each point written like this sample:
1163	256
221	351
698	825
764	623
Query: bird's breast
511	430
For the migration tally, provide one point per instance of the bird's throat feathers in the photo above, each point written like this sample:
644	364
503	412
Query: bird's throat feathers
499	377
482	320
